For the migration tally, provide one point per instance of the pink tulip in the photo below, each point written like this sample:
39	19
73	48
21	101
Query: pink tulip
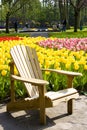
75	44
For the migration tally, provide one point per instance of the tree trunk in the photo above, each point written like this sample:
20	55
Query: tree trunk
7	22
67	15
79	19
61	11
76	21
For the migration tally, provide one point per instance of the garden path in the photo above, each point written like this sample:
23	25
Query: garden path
36	34
57	119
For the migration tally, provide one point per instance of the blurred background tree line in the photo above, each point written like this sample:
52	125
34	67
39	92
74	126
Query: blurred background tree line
43	13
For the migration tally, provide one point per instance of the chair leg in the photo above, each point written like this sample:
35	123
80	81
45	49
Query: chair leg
42	116
70	106
42	106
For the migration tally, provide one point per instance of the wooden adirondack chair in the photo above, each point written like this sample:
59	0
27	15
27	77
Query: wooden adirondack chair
26	61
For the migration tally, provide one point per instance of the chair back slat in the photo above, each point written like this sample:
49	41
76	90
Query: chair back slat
30	53
26	62
37	64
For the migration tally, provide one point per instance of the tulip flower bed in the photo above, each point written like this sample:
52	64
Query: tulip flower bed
4	38
73	44
66	54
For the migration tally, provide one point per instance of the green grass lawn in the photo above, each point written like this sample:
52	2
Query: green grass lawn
15	34
69	34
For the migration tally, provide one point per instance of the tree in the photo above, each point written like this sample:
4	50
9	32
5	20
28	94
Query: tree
12	7
29	12
49	11
77	5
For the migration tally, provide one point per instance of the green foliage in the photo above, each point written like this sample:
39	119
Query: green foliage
20	90
4	86
57	82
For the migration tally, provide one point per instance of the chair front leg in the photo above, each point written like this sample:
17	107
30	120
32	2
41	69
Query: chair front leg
42	105
12	81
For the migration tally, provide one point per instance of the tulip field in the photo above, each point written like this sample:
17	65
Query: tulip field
59	53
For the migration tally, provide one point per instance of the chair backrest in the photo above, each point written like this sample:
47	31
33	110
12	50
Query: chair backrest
26	61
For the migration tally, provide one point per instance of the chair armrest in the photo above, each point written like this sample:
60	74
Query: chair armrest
68	73
30	80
